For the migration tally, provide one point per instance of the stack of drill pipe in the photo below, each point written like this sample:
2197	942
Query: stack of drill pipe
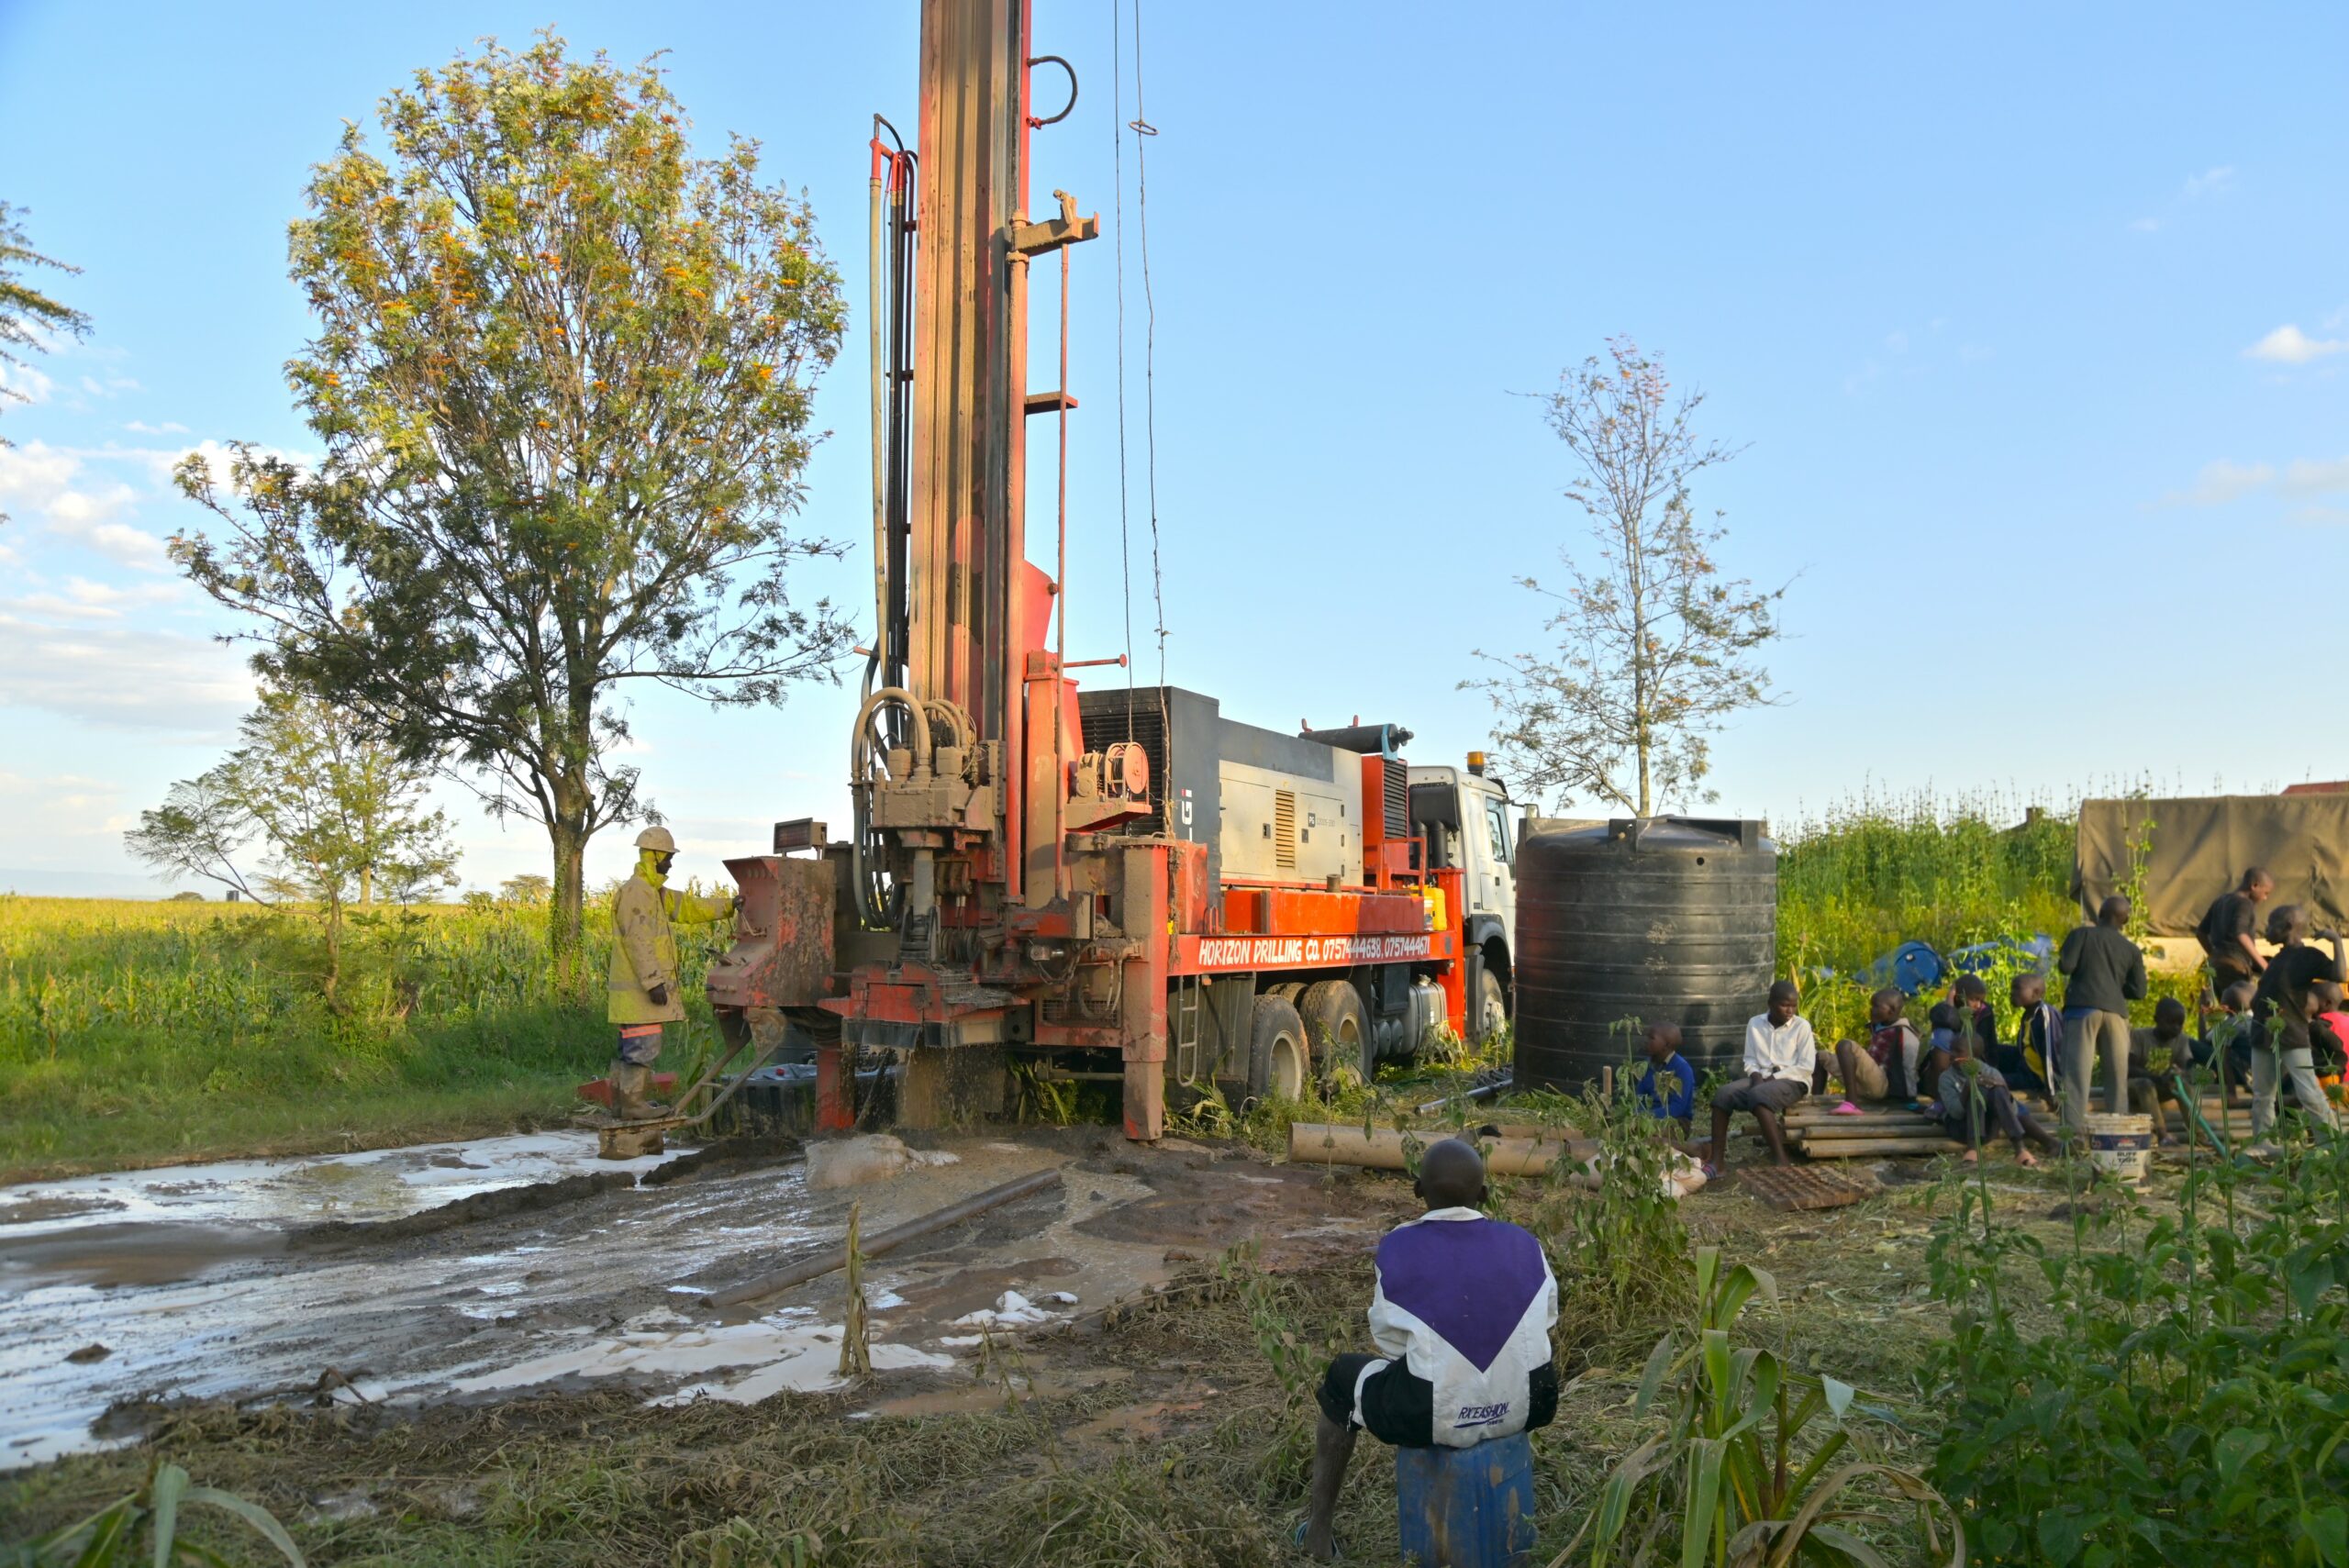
1381	1148
1820	1134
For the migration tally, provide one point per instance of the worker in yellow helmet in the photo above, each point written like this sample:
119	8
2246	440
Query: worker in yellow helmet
644	999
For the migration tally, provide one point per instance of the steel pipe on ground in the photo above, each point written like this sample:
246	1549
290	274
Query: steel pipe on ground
1381	1148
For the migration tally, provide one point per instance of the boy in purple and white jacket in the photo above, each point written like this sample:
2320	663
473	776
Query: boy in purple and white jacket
1462	1316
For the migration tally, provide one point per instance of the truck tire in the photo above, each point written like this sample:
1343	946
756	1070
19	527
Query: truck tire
1279	1067
1488	1008
1334	1026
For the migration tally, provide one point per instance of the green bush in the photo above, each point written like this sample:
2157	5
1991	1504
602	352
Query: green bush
2170	1389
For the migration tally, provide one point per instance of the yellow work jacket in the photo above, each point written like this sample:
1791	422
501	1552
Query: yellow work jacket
644	949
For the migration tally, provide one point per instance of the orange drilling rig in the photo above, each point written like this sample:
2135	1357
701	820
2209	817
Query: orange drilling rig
1122	883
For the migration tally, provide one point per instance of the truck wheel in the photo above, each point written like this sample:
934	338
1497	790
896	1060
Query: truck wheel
1278	1065
1488	1009
1334	1025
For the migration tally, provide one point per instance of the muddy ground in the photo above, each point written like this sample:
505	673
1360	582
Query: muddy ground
541	1384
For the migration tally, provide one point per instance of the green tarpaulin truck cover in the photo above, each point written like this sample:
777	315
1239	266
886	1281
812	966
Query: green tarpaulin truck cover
2196	849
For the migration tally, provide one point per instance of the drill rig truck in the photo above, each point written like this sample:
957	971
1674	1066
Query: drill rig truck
1120	883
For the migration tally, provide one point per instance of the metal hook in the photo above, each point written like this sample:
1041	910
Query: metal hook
1034	122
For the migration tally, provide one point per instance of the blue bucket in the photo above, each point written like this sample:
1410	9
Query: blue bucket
1465	1507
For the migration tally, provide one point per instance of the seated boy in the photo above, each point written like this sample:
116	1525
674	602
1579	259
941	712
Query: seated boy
1667	1090
1780	1055
1885	1067
1971	1016
2039	1037
2151	1091
1460	1315
1972	1093
2228	1048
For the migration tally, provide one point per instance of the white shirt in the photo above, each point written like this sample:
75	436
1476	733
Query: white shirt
1781	1050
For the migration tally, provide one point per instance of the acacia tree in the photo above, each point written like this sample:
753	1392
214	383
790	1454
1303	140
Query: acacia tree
562	377
337	816
1652	641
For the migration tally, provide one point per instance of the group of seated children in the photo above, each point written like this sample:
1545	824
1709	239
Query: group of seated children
1950	1077
1964	1076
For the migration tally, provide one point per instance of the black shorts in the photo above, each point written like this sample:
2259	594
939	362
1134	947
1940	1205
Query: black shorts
1398	1407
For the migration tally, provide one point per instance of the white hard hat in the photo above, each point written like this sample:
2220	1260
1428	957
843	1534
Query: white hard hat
657	839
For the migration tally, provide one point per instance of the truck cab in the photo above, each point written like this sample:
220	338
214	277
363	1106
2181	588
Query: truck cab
1469	821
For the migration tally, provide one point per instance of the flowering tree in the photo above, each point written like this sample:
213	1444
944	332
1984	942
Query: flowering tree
1653	643
562	378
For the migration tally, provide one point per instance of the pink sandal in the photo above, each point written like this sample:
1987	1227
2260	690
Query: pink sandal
1847	1108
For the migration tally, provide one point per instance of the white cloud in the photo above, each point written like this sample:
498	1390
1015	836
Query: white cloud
108	386
47	482
2210	182
2288	345
2308	477
87	600
167	428
122	675
2320	517
2146	225
2222	481
32	473
25	383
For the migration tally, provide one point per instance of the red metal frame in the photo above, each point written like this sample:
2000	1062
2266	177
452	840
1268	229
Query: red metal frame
1020	905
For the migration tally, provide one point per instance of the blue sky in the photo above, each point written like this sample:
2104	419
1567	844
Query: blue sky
2033	323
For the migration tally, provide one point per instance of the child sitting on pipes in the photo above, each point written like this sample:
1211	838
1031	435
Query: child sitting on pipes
1461	1314
1781	1054
2226	1048
2039	1037
1667	1090
2151	1092
1971	1095
1885	1067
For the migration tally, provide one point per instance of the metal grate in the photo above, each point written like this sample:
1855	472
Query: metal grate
1397	777
1786	1188
1284	829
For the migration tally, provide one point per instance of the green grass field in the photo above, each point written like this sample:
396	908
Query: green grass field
147	1032
141	1033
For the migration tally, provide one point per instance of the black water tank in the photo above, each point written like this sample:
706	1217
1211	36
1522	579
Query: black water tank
1664	919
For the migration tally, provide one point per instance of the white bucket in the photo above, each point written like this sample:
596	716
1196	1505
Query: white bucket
2122	1145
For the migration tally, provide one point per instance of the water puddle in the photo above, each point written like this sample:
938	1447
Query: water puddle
376	1183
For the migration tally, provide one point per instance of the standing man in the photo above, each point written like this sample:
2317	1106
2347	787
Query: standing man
644	985
2227	931
2106	974
2280	1012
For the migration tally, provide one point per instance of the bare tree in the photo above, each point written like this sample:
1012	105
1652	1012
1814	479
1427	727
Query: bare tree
1653	643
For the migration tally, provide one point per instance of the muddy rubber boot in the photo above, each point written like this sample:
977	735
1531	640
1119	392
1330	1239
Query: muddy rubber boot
631	1088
